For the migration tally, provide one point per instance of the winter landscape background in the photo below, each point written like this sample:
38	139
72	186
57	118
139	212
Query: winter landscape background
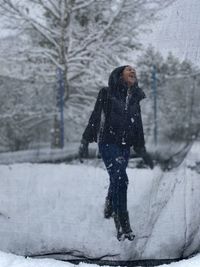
49	202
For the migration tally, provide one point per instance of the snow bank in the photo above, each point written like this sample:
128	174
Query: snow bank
11	260
58	209
40	155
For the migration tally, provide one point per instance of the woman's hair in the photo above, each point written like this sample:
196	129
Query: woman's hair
115	78
116	81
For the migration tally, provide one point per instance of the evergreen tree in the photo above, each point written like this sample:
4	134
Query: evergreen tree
177	95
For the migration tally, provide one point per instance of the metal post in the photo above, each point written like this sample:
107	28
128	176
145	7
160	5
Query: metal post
154	91
60	104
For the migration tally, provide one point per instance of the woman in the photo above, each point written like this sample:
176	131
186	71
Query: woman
116	125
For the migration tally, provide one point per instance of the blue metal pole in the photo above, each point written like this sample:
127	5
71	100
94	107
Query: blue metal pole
154	90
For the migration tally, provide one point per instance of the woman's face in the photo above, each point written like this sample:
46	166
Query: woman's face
129	75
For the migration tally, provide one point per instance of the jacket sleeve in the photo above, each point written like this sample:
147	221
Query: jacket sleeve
139	144
90	133
140	148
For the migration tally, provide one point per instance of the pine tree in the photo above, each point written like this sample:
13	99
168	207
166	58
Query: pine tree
177	95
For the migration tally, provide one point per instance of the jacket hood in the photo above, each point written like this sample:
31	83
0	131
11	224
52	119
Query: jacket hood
116	83
115	78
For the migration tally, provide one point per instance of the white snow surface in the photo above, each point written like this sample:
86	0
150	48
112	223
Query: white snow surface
58	209
11	260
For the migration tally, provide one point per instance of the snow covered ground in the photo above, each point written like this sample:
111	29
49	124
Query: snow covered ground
58	209
40	155
11	260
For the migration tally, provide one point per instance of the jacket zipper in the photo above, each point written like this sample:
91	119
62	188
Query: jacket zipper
126	110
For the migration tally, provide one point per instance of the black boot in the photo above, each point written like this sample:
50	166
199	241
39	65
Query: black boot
108	210
125	225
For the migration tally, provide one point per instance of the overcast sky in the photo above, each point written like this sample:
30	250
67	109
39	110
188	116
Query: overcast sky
178	31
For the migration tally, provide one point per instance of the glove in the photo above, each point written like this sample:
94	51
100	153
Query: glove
146	157
148	160
83	150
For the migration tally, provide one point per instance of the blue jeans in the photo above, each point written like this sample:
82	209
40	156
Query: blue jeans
116	159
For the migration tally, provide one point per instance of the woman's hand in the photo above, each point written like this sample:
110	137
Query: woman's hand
83	150
146	156
148	160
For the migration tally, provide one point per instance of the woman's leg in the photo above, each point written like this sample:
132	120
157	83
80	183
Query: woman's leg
123	212
123	178
116	160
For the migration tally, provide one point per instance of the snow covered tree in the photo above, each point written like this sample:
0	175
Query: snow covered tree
179	108
148	60
178	100
86	39
76	35
145	63
177	95
171	65
26	112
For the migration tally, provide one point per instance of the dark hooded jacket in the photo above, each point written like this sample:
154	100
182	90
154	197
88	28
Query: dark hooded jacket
116	118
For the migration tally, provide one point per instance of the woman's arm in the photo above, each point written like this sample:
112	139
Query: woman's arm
139	145
90	133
